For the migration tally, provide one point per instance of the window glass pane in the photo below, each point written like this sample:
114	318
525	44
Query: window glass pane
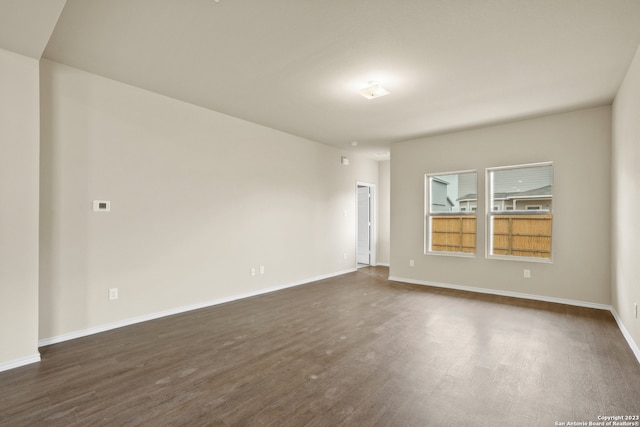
522	188
451	216
520	219
456	192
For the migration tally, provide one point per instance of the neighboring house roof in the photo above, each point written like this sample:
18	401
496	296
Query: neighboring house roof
470	196
542	192
536	192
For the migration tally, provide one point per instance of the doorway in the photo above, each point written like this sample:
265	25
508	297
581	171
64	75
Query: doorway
365	236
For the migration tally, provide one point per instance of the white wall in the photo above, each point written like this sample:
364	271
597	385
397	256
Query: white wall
626	202
579	145
197	199
384	210
19	140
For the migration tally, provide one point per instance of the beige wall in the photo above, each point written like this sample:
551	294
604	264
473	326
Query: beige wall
579	145
19	139
626	203
197	199
384	210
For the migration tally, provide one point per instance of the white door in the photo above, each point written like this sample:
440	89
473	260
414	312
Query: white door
364	225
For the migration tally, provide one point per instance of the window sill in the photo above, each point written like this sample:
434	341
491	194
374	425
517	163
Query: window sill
521	258
452	254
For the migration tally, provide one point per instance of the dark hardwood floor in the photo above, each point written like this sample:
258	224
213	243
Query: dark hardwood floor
353	350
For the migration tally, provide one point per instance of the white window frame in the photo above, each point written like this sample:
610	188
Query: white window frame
490	214
428	215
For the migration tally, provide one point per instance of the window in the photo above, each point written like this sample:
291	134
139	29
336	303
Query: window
519	224
451	204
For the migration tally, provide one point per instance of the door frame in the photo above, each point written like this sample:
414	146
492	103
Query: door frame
372	218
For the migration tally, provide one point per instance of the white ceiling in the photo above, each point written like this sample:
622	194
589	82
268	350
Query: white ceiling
296	65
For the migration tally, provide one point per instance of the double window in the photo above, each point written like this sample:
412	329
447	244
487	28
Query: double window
519	212
451	212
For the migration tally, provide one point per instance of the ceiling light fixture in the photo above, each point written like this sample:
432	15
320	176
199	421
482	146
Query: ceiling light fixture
374	90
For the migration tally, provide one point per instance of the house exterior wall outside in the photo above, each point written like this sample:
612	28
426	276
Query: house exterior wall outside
468	205
439	197
581	246
545	204
516	204
522	179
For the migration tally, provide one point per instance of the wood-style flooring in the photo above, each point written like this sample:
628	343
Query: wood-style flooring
355	350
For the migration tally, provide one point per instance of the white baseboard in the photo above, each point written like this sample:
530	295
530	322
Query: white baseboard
383	264
132	321
504	293
12	364
102	328
625	333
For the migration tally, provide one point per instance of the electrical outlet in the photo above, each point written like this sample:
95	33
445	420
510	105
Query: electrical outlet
262	269
344	255
253	271
412	263
101	206
527	274
113	294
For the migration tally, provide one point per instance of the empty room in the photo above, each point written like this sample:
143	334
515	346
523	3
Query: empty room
317	213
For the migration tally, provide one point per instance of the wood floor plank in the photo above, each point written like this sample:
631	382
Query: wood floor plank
352	350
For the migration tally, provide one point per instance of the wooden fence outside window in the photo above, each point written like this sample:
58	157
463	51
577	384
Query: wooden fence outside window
522	235
453	233
515	235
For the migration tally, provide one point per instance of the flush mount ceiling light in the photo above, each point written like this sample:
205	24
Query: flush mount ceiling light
374	90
